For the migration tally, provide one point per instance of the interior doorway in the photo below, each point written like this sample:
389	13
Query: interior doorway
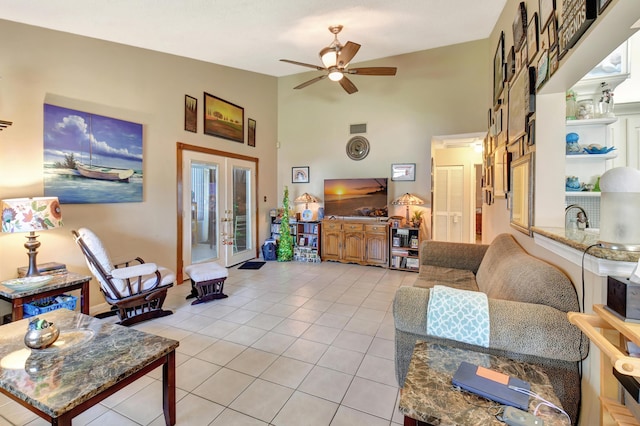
217	207
457	210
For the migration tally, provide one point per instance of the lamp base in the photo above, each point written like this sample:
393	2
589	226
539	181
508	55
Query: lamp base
32	245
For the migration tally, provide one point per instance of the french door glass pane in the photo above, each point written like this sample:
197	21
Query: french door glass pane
241	201
204	226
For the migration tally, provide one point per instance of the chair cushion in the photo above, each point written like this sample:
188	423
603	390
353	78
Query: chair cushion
102	257
200	272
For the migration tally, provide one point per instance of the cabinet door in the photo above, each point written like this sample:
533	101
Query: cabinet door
376	249
353	247
331	245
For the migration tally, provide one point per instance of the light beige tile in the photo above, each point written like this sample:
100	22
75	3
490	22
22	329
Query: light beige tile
112	418
317	305
281	310
245	335
224	386
240	316
193	372
287	372
264	321
192	410
342	360
291	327
368	314
275	343
221	352
382	348
219	329
371	397
379	370
146	404
252	362
262	400
306	315
195	343
308	410
369	328
126	392
325	383
353	341
294	300
321	334
333	320
306	350
342	309
346	416
234	418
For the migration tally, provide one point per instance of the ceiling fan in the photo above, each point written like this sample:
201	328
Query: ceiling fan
336	58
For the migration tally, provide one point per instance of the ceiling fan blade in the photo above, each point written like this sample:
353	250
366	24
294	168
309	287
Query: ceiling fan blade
319	68
348	85
307	83
373	71
347	52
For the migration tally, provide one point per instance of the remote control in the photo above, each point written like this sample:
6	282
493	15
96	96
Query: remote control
514	417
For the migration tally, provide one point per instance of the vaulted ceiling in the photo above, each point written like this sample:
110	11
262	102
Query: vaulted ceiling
254	34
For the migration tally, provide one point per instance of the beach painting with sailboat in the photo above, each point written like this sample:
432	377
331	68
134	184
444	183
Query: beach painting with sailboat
90	158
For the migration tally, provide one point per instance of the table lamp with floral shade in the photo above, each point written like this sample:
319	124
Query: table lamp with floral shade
31	215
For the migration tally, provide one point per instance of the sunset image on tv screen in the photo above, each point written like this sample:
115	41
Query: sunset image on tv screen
356	197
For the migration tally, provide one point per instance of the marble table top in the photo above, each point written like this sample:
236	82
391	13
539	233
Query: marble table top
580	240
57	281
88	357
428	395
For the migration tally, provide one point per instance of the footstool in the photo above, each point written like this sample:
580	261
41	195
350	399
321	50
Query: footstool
207	280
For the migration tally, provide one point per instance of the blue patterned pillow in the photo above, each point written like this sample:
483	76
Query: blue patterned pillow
459	315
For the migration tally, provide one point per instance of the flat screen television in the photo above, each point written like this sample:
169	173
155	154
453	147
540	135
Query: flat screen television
364	197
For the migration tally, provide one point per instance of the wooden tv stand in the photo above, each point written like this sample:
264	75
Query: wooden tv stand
361	241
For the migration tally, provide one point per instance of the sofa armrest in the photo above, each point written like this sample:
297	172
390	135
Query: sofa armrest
452	255
525	328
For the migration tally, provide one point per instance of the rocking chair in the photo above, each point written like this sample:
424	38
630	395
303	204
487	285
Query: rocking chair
136	290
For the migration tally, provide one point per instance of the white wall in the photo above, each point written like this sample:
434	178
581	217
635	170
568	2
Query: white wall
132	84
435	92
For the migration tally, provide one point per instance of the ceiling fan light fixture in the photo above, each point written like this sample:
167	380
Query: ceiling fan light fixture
329	57
335	74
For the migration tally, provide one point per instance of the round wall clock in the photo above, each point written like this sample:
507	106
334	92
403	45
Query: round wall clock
357	148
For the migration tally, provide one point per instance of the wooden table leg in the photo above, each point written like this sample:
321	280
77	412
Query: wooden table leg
169	389
408	421
84	297
17	312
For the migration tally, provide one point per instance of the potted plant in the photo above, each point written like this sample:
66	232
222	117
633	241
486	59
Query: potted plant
416	219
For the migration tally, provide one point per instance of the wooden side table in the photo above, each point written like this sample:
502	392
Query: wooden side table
429	397
59	284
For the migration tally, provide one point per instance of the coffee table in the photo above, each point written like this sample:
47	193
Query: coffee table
60	283
91	360
429	398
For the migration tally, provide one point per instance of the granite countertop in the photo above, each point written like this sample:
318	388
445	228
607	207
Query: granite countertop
58	280
429	396
88	357
581	240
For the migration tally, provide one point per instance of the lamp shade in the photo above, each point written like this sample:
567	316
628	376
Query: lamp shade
407	200
305	198
31	214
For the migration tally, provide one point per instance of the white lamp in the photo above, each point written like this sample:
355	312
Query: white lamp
31	215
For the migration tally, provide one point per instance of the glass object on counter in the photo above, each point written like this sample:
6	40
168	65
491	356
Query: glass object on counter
585	109
572	106
605	106
573	147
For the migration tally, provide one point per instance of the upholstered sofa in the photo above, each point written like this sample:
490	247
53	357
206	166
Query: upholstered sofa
528	300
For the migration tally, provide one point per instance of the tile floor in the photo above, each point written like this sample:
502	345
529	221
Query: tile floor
293	344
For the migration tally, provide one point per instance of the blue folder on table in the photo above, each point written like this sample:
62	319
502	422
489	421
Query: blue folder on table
492	385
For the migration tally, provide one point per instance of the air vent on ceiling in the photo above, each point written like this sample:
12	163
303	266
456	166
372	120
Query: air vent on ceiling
357	128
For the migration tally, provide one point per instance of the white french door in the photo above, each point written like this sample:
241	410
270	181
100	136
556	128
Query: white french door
448	203
218	221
